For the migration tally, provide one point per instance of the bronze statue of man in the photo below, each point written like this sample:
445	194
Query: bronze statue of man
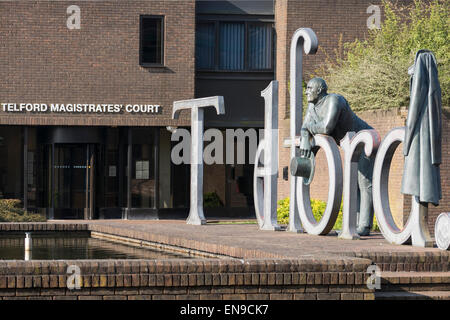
330	114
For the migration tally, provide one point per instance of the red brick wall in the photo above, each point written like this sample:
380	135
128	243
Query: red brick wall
45	62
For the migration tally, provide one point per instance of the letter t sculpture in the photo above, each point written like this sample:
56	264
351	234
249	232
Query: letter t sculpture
196	106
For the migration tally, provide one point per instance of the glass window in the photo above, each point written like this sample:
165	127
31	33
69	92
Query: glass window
259	46
151	40
143	168
206	45
111	170
32	168
11	162
234	46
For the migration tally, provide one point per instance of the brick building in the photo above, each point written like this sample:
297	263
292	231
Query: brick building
87	89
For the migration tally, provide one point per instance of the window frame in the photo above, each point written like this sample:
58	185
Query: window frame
141	38
246	23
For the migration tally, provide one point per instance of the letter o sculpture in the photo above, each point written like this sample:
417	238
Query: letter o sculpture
442	231
330	215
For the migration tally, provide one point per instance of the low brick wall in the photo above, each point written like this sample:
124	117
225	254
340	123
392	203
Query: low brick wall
237	273
187	279
223	279
438	261
43	226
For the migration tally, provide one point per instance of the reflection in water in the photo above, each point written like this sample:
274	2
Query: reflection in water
74	246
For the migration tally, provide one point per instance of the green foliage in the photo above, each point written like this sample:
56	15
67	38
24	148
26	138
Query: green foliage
318	208
11	211
283	211
211	200
372	73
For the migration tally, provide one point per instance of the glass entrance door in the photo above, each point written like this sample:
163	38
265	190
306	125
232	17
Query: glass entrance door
73	181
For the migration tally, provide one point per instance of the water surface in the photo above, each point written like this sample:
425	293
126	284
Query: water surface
74	246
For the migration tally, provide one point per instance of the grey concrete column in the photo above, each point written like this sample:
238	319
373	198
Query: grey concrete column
196	106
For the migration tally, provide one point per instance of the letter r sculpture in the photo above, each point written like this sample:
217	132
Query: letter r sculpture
197	106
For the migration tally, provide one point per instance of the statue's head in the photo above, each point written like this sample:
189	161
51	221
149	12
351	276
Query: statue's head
316	88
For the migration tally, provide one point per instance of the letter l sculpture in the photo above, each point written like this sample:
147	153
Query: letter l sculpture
196	106
303	39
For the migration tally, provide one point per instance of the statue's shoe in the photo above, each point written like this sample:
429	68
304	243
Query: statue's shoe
364	231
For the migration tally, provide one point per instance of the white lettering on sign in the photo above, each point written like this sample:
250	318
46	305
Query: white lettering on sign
81	108
142	108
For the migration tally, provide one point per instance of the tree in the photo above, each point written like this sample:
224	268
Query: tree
372	73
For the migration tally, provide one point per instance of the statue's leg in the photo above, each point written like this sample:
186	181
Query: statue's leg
358	203
365	221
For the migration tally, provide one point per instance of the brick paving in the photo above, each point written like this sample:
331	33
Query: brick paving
274	243
270	265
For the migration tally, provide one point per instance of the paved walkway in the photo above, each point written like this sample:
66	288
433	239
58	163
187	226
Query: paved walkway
274	243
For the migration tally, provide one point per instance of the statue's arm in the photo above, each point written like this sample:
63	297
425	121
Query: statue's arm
306	135
330	120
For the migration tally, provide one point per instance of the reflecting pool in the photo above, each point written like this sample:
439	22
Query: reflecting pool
74	246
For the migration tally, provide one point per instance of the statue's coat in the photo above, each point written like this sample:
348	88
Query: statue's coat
423	140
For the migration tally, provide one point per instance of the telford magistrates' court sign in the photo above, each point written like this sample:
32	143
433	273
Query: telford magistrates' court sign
81	108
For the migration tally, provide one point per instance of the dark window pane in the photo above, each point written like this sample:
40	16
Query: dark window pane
205	45
143	169
151	40
32	167
259	46
232	46
111	170
11	163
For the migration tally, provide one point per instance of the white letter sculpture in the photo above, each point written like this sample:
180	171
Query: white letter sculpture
265	177
353	146
303	39
196	106
416	227
442	231
330	215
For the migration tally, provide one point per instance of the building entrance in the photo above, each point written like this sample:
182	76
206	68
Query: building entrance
73	168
